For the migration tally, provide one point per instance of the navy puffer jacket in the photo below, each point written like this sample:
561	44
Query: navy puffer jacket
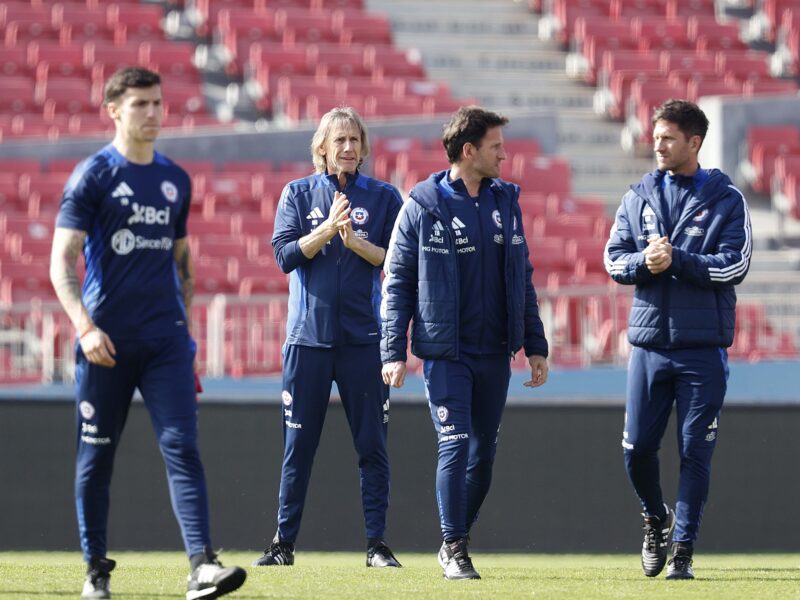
421	278
693	303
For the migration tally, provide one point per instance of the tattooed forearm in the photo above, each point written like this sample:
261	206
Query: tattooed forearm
183	260
67	246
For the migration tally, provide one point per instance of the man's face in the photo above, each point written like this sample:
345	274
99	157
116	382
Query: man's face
488	156
138	113
674	152
342	148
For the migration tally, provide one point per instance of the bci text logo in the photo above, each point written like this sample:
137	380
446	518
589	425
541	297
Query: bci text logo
148	215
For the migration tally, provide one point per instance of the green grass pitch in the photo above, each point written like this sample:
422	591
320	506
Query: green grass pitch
54	575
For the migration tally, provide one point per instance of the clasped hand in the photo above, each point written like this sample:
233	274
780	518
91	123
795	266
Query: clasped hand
658	255
338	220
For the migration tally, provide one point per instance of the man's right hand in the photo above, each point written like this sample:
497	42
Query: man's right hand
394	373
658	255
98	348
339	216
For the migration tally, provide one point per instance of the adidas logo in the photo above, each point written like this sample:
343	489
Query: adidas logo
316	213
438	228
457	225
123	189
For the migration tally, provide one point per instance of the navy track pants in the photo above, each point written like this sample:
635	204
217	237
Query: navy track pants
308	374
695	380
162	371
466	398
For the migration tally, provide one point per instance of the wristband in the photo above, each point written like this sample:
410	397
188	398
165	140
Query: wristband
92	328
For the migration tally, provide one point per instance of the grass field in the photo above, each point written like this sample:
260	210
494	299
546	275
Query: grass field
40	575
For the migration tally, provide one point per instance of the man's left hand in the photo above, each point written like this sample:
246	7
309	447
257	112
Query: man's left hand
539	370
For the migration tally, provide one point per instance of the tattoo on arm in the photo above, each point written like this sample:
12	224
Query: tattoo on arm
67	246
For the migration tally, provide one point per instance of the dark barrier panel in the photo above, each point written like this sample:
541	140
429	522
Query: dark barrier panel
559	482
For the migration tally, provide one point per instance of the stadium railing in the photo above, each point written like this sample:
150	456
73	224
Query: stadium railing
241	335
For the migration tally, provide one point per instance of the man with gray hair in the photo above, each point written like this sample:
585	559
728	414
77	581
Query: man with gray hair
332	229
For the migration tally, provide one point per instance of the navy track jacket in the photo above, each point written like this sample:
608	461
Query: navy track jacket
421	278
693	303
334	297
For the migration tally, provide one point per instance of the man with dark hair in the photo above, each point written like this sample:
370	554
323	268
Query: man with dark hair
682	236
458	264
126	207
331	233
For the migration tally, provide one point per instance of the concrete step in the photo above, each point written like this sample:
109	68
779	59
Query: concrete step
445	9
503	61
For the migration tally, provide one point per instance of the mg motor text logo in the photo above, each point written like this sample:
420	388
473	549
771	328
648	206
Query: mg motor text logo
148	215
124	242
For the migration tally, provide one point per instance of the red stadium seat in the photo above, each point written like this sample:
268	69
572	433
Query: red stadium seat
568	11
755	87
337	61
393	62
545	174
697	89
597	45
14	62
22	282
742	64
625	9
304	26
68	95
173	60
16	95
140	21
83	23
362	28
182	98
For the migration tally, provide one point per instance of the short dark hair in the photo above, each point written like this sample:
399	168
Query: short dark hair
468	126
686	115
129	77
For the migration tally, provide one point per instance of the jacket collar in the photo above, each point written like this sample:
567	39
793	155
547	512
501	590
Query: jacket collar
332	181
711	190
430	192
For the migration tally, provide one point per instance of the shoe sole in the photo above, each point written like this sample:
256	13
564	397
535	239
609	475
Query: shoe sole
258	563
226	586
676	577
460	577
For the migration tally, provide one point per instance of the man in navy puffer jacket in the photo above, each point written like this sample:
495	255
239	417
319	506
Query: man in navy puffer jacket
458	265
682	236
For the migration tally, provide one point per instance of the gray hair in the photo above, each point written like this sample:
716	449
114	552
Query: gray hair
337	115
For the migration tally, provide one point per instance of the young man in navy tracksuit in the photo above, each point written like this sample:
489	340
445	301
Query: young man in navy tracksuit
682	236
126	208
331	234
458	265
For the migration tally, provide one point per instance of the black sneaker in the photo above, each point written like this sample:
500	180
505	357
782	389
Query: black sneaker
279	553
98	578
657	534
680	565
454	559
211	580
379	555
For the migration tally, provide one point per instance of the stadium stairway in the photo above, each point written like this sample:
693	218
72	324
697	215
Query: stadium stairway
491	51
